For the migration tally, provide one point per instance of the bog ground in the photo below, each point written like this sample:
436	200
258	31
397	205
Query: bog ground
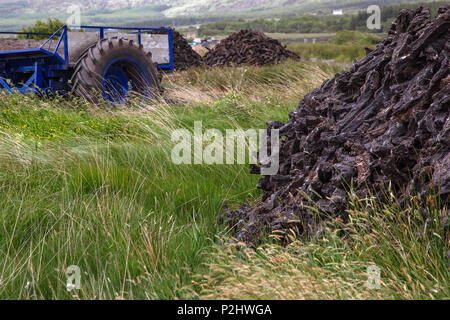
85	185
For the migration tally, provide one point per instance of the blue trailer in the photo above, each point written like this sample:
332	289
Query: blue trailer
95	62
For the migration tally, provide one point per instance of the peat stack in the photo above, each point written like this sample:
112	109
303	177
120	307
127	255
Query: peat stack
386	120
9	44
183	55
248	47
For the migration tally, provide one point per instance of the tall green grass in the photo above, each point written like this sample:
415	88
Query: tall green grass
407	244
135	223
91	186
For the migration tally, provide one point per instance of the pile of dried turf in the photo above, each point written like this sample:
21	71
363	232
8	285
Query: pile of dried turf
183	55
387	120
248	47
9	44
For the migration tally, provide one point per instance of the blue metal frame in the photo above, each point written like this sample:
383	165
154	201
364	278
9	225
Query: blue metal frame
139	31
34	70
41	63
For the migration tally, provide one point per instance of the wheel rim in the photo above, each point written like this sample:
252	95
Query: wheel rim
121	78
116	85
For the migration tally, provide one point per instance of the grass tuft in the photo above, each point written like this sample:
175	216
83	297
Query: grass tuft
408	245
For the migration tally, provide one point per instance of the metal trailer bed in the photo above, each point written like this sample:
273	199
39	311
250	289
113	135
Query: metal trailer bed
68	61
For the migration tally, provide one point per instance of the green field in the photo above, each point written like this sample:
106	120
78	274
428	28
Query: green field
345	46
95	187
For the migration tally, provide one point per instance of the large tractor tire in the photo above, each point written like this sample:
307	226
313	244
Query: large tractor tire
113	69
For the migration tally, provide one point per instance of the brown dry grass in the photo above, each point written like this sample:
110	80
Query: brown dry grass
289	81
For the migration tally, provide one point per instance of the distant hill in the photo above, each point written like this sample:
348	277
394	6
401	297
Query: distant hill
16	13
313	24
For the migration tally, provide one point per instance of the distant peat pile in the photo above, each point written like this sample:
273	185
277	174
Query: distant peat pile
248	47
183	55
384	121
9	44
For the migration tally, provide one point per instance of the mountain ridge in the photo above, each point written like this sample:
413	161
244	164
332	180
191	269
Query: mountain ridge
19	13
174	8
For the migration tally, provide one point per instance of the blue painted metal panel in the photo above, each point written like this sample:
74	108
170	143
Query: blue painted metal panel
139	31
171	49
33	65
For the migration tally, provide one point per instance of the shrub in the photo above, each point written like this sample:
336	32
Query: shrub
49	27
